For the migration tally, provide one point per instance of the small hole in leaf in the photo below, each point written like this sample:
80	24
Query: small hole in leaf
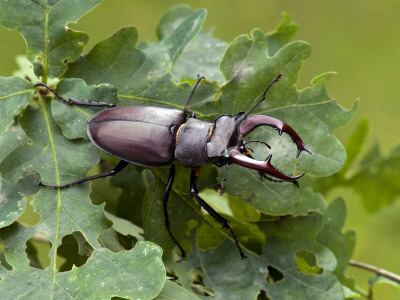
74	250
263	296
115	241
4	263
274	275
198	286
66	61
29	217
307	262
37	251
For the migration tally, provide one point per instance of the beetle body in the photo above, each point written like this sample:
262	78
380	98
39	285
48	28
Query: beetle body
155	137
142	135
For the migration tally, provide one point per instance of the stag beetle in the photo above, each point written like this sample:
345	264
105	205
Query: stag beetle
155	137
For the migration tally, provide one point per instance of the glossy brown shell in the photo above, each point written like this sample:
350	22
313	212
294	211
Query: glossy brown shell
142	135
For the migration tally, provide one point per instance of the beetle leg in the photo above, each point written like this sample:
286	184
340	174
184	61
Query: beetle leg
119	167
223	188
71	101
257	141
165	201
224	222
264	166
252	122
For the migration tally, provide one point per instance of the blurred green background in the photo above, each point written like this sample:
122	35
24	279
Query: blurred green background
358	39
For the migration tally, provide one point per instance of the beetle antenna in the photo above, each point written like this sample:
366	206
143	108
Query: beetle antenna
265	92
185	109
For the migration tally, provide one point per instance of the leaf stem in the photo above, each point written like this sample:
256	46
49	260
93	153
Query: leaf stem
376	270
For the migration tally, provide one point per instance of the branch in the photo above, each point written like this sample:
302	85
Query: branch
376	270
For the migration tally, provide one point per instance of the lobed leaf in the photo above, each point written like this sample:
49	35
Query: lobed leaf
282	35
134	72
138	273
371	174
278	272
173	290
203	54
15	94
55	158
376	178
51	44
73	119
13	197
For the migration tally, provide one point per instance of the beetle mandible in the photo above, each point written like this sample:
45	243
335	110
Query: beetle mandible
155	137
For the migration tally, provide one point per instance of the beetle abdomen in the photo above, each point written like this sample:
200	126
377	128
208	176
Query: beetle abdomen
143	135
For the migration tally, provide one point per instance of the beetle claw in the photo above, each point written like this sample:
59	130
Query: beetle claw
264	166
252	122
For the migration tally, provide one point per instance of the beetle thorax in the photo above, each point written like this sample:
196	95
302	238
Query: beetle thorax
191	139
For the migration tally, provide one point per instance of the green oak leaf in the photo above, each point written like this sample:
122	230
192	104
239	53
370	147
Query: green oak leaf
72	119
47	151
283	246
376	178
373	175
108	62
342	244
370	173
283	34
13	197
134	274
124	226
354	146
135	72
276	271
244	64
181	211
302	257
56	159
273	198
202	55
172	290
377	280
11	139
15	94
310	112
43	25
143	76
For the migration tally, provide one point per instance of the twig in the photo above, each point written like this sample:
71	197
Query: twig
376	270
